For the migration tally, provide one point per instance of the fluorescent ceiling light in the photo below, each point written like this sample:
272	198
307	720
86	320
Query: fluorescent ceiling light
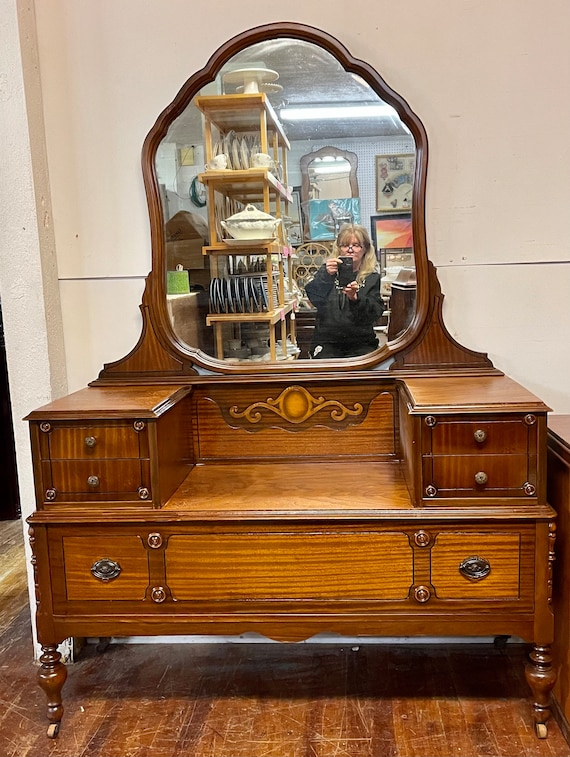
321	112
330	168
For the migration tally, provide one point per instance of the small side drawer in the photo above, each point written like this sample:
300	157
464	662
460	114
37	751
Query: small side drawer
115	440
461	437
90	476
478	475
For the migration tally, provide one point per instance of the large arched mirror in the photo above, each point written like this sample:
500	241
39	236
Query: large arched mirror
225	169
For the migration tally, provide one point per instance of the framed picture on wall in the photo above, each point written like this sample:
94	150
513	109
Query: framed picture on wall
394	182
392	231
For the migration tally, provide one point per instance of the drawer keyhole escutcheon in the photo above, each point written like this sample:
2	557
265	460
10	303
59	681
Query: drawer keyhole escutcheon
529	489
90	441
422	538
480	435
481	477
158	594
154	541
93	481
422	594
475	568
105	569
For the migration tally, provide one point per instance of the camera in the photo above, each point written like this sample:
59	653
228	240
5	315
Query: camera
345	273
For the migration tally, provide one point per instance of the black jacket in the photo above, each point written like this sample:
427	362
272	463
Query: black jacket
344	328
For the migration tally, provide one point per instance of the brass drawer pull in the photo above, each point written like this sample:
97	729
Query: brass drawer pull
93	481
475	568
154	541
480	435
51	494
158	594
422	594
90	441
105	569
529	489
143	492
431	491
422	538
481	478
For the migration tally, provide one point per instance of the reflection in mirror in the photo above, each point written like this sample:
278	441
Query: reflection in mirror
280	116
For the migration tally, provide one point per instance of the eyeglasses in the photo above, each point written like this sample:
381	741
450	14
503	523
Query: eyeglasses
355	246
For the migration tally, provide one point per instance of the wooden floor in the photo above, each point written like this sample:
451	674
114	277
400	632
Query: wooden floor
270	700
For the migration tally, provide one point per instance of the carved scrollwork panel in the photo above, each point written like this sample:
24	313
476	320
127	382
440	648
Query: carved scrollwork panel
296	405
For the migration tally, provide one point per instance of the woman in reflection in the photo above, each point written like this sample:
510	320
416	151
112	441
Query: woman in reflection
348	302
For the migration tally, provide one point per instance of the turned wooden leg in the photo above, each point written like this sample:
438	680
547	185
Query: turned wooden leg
51	677
541	677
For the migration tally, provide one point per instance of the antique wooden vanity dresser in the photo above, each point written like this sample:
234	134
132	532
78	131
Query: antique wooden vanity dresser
401	493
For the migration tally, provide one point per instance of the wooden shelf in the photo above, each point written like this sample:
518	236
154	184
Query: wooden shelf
269	316
241	113
247	185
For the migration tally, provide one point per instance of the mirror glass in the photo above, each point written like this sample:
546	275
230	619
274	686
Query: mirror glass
325	143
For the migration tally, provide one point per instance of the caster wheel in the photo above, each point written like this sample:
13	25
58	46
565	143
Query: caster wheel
53	730
541	730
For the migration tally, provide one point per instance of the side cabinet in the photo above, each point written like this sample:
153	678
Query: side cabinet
134	453
461	455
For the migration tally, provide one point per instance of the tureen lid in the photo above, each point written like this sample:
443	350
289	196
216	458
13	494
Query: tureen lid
251	213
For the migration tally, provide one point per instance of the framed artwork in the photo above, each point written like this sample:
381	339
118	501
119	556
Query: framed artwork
327	216
394	182
392	231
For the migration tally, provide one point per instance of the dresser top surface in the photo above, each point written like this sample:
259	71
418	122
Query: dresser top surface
112	402
471	394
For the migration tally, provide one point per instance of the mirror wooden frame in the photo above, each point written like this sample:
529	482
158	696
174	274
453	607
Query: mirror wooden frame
306	161
160	354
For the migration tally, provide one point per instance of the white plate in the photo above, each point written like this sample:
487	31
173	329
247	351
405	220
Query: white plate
247	242
236	162
244	154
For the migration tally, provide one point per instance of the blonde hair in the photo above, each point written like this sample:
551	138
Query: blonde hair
368	263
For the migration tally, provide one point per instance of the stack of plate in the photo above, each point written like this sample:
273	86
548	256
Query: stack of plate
241	294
